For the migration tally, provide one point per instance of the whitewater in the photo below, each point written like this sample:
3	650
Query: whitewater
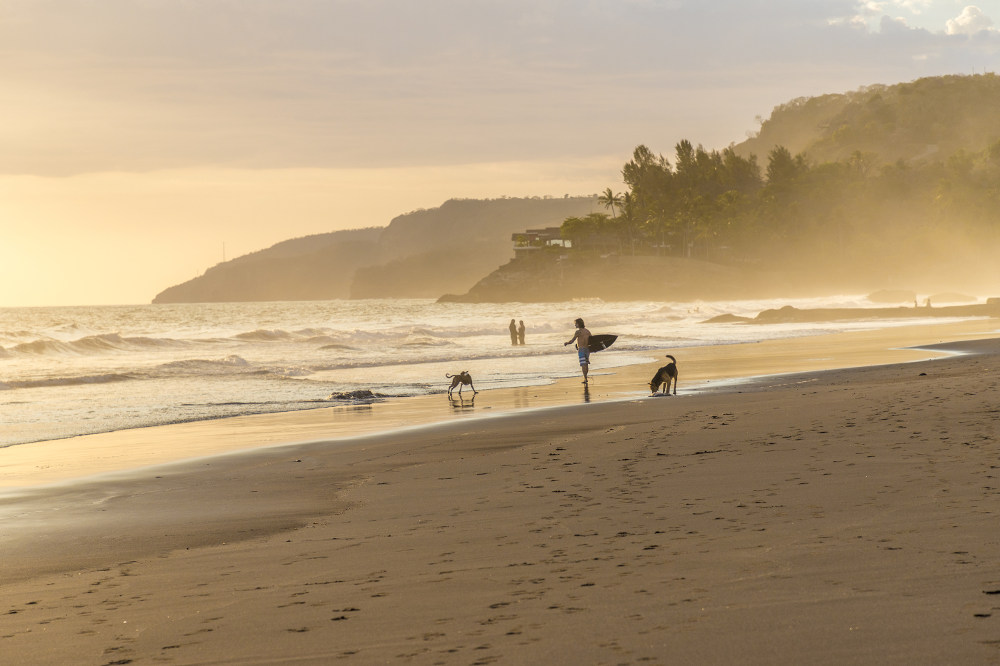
68	371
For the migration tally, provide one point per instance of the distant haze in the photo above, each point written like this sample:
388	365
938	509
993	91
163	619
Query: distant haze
139	138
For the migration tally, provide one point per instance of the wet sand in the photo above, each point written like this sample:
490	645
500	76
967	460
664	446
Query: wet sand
701	368
828	516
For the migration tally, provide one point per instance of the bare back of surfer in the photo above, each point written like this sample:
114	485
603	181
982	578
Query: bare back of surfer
582	338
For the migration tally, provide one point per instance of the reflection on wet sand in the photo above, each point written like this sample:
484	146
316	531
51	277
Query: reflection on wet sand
521	398
709	365
357	409
460	403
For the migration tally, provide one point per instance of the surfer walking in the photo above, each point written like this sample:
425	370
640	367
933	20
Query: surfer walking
582	338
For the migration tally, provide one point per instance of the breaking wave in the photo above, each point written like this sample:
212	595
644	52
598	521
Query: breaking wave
66	381
206	367
141	365
95	344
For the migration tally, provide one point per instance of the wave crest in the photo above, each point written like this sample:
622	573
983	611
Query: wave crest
200	366
93	344
264	335
106	378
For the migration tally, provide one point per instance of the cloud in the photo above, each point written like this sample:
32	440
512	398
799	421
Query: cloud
138	85
186	123
914	6
899	25
934	16
971	21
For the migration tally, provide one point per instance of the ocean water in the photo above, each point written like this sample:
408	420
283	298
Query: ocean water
67	371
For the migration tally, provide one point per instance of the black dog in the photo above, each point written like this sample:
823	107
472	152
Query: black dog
460	380
664	376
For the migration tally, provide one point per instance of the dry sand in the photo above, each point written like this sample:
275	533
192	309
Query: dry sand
844	516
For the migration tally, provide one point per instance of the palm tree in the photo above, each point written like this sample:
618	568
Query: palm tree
625	226
609	200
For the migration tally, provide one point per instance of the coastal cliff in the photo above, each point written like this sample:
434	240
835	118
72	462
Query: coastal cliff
614	278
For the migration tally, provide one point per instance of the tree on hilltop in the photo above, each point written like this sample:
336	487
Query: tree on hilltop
609	199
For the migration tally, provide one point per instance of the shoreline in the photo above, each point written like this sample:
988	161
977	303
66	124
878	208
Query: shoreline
824	516
86	456
837	516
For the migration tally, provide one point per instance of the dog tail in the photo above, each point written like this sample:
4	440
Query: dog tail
672	358
447	376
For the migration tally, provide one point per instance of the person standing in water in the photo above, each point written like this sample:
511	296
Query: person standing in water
582	338
513	332
520	332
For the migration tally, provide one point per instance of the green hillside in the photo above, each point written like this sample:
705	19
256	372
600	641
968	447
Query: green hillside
885	187
888	186
421	254
926	120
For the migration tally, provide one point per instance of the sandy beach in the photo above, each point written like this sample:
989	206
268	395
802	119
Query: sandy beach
841	512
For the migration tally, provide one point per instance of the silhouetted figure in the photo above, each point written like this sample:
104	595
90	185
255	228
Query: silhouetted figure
461	380
520	332
582	339
513	332
664	377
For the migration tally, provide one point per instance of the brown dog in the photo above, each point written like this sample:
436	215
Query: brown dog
461	380
664	376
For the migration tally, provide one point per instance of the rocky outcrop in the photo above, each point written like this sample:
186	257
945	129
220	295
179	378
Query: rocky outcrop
790	314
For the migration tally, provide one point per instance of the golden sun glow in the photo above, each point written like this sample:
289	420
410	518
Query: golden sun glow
124	237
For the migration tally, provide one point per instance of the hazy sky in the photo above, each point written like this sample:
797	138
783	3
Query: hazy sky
139	136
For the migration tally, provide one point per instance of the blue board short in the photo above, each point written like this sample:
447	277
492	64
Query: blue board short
584	355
